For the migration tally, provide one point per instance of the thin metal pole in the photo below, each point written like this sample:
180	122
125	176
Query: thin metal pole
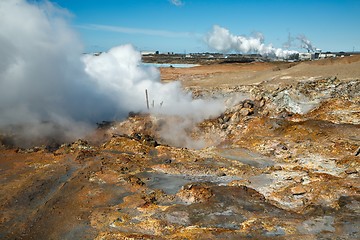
147	99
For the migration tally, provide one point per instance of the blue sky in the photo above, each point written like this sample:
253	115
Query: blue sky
179	26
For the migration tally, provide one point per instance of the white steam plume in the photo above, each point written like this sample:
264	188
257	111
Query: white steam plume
121	75
222	40
47	90
306	43
289	42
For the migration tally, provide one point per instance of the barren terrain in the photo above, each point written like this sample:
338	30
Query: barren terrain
282	161
256	72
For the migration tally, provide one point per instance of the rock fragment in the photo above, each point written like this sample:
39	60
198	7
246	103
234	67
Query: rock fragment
351	171
357	153
246	111
262	103
195	193
298	190
248	104
235	118
277	168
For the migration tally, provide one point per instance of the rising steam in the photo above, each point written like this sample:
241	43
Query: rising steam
306	43
47	90
222	40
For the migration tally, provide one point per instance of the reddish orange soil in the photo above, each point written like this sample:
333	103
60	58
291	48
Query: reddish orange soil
269	170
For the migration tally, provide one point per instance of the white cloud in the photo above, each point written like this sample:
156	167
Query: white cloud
177	3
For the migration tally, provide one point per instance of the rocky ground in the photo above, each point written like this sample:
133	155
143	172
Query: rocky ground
282	161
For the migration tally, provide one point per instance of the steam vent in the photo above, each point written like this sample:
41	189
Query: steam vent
124	144
280	160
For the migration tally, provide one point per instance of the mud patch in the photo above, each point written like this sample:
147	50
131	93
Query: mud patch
246	157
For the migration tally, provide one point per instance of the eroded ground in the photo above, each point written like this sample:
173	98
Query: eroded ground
281	161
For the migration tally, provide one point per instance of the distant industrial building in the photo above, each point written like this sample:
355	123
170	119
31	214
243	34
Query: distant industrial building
144	53
327	55
315	55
